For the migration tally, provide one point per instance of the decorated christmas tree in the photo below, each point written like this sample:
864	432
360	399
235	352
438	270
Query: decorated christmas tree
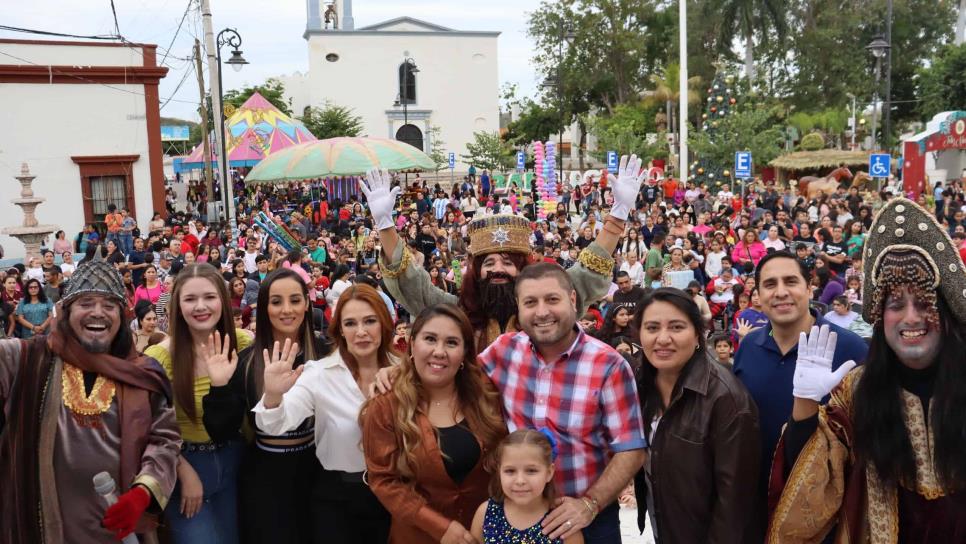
719	104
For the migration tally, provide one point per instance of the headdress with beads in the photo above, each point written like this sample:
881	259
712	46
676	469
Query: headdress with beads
499	234
908	247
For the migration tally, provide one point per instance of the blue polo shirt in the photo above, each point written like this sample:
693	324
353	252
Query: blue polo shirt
767	374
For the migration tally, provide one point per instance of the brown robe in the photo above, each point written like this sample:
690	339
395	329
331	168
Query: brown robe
48	458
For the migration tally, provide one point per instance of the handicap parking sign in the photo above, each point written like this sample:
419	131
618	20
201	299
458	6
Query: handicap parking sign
880	165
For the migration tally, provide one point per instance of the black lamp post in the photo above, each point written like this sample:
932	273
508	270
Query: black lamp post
879	48
228	36
567	36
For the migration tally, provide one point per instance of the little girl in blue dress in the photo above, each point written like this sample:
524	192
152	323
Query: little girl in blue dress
522	492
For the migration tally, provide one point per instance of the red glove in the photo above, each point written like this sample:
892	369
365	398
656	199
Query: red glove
123	515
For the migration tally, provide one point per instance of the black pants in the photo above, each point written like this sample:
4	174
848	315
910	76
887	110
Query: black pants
347	512
276	496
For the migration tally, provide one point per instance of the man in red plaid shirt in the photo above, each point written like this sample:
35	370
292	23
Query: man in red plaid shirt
553	375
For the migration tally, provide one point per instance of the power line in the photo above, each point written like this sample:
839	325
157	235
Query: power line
190	70
60	34
176	32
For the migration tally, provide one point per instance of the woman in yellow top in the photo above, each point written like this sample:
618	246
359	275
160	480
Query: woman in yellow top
203	507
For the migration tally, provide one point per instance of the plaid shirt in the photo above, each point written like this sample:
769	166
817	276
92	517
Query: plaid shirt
587	398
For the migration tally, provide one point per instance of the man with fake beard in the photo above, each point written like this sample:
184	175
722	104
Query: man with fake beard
78	402
499	248
883	461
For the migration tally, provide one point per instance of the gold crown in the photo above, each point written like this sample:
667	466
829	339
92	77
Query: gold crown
499	234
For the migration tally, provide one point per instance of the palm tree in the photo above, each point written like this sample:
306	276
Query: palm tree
667	89
746	18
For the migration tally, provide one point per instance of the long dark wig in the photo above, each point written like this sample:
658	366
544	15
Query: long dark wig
651	402
880	436
312	347
471	300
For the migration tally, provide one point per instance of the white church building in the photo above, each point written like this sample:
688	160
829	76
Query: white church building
403	76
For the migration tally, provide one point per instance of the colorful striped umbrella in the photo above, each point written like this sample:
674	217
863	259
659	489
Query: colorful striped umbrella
339	157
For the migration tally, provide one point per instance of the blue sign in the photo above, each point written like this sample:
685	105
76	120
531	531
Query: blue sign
175	133
880	165
742	164
521	160
612	162
452	160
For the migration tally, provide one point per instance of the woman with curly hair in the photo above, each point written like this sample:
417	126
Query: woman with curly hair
427	442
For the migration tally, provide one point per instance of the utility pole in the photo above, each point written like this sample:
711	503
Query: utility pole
219	114
887	102
203	110
683	90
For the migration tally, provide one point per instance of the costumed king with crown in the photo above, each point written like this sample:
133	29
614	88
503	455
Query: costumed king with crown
884	461
499	248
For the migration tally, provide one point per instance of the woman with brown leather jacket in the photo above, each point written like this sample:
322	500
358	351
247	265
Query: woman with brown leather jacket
699	482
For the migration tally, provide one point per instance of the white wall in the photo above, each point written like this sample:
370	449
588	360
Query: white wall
76	54
51	123
457	80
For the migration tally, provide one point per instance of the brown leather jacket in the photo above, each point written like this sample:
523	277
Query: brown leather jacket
420	513
703	464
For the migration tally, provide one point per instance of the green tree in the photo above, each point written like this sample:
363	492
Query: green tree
437	150
489	152
754	127
942	85
667	90
331	121
747	18
535	123
626	131
272	90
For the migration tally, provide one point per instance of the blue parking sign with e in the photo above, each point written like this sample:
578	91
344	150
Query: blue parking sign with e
612	162
880	165
521	160
743	164
452	160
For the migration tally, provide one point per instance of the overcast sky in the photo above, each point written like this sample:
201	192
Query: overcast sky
272	33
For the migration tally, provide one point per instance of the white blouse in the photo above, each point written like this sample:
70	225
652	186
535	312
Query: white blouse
326	390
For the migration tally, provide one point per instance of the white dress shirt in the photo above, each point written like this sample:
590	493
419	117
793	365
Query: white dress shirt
326	390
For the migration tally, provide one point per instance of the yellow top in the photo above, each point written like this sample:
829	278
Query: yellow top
192	431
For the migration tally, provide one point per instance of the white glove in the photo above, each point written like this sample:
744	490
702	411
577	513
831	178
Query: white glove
381	198
814	377
629	179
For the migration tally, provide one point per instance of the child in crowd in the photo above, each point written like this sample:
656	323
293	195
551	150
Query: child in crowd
522	492
722	348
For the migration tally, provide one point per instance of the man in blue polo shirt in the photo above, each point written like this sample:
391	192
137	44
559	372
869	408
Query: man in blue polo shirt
765	361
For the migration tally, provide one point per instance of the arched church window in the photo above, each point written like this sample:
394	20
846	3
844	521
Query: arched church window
411	135
407	83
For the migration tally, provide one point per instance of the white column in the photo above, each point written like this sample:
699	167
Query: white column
683	89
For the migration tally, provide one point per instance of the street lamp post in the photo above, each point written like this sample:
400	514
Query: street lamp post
228	36
879	48
852	121
567	36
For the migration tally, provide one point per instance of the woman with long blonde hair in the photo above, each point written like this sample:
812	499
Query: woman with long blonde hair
332	391
428	441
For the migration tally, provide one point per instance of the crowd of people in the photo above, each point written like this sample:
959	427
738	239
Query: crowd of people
442	364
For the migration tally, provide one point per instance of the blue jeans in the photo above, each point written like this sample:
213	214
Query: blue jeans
217	521
606	527
127	243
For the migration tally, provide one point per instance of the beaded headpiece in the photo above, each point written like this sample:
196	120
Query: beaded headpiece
907	247
94	277
499	234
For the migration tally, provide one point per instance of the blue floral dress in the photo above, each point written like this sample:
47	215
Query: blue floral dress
497	530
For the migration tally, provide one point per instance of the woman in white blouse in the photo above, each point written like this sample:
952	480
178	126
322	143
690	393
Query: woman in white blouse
333	390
